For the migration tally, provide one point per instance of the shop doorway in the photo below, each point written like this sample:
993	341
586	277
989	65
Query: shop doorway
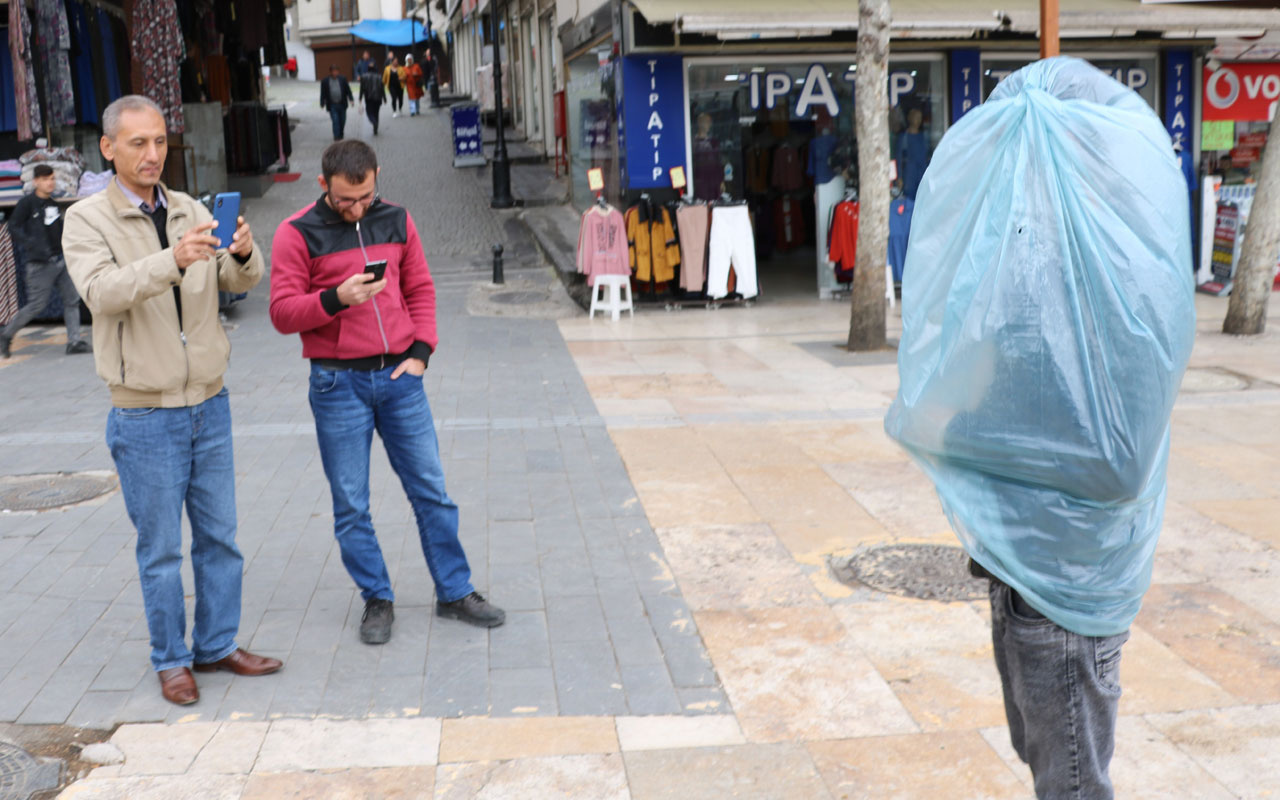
778	134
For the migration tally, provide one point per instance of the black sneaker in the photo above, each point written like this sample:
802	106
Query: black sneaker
375	625
4	346
80	346
473	609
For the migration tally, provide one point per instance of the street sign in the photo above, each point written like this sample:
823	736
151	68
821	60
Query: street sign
468	142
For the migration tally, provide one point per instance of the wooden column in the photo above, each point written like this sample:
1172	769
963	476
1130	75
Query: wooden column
1048	28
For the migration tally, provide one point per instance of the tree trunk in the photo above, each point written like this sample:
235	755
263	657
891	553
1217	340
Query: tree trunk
1251	288
871	105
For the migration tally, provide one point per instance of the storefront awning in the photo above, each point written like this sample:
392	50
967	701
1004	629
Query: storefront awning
392	32
763	19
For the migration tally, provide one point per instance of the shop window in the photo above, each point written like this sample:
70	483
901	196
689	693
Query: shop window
591	102
344	10
781	136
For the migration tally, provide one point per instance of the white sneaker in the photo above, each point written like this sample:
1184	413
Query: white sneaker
395	113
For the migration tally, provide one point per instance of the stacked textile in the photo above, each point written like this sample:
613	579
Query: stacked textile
67	166
10	182
94	182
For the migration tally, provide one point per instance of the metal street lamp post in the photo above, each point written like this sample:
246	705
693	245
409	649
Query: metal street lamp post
501	164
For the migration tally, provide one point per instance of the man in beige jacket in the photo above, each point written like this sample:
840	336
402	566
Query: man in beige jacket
142	257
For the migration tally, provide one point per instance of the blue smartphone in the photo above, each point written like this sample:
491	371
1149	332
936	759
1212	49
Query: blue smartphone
226	211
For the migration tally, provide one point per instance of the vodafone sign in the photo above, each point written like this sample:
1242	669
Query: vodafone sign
1241	92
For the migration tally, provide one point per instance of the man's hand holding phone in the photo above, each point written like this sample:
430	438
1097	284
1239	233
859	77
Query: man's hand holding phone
359	288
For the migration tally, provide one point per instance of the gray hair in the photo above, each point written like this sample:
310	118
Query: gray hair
130	102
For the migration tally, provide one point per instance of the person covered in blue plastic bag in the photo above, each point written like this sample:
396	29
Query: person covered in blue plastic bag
1047	320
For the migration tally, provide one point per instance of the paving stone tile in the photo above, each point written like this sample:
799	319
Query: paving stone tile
98	710
601	777
516	587
672	732
293	745
164	787
232	750
155	749
648	689
587	679
523	692
782	771
500	739
521	642
387	783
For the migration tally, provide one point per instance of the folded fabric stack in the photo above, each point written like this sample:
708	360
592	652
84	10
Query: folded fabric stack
10	182
94	182
67	166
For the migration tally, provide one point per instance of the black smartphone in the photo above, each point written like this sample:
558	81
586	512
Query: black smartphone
378	268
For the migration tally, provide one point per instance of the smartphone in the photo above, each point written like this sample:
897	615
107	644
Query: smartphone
226	210
378	268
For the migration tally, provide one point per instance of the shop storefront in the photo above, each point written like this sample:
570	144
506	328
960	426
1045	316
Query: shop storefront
1239	100
591	103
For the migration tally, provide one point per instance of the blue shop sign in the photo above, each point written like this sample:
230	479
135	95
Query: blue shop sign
653	111
966	82
468	142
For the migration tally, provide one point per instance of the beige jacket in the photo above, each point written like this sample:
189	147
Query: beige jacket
126	280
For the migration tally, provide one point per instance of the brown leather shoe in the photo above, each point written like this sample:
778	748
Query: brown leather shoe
242	662
178	686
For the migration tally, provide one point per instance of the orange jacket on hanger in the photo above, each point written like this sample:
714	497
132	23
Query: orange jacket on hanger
654	249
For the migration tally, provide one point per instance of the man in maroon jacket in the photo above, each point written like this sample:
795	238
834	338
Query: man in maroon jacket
369	335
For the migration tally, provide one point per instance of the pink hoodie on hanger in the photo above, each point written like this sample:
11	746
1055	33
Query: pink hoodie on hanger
602	244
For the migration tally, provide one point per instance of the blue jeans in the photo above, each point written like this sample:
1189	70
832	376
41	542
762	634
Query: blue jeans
167	457
338	115
1061	697
349	405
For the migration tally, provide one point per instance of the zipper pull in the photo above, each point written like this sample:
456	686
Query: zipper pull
183	336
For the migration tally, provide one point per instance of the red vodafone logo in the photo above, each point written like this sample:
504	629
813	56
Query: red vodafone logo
1241	92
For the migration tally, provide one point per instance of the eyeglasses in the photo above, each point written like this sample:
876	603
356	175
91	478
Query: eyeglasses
343	203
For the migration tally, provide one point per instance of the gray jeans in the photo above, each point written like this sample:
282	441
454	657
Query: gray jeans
42	276
1061	697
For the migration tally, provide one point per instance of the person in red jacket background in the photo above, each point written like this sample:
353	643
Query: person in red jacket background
369	337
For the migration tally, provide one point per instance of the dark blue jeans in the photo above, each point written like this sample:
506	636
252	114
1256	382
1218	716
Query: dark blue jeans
168	457
349	405
338	115
1061	697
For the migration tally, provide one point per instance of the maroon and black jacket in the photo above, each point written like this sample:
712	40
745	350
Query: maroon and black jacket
316	249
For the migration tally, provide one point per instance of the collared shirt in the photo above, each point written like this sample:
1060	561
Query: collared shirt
143	204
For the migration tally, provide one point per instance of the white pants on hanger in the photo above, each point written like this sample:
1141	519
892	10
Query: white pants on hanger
731	241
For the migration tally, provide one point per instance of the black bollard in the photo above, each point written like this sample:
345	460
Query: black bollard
497	265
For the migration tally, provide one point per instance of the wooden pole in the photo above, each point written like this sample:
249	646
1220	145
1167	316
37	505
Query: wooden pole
1049	28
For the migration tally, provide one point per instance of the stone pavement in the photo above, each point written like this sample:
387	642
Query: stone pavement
724	459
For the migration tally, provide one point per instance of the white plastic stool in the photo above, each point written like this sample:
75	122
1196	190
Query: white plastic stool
888	285
619	287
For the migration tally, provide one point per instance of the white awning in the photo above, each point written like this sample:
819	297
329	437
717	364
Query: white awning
751	19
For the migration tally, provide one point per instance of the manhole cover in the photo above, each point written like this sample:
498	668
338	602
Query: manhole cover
518	298
923	571
22	776
45	492
1213	380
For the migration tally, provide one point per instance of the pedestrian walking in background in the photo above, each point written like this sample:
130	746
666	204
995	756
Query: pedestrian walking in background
364	66
349	275
1047	322
144	259
335	96
393	79
412	84
36	225
372	94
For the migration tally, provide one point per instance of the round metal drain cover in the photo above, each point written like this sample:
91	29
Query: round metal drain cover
45	492
21	775
1212	380
922	571
518	298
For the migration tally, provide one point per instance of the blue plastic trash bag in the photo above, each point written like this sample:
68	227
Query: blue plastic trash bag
1047	320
